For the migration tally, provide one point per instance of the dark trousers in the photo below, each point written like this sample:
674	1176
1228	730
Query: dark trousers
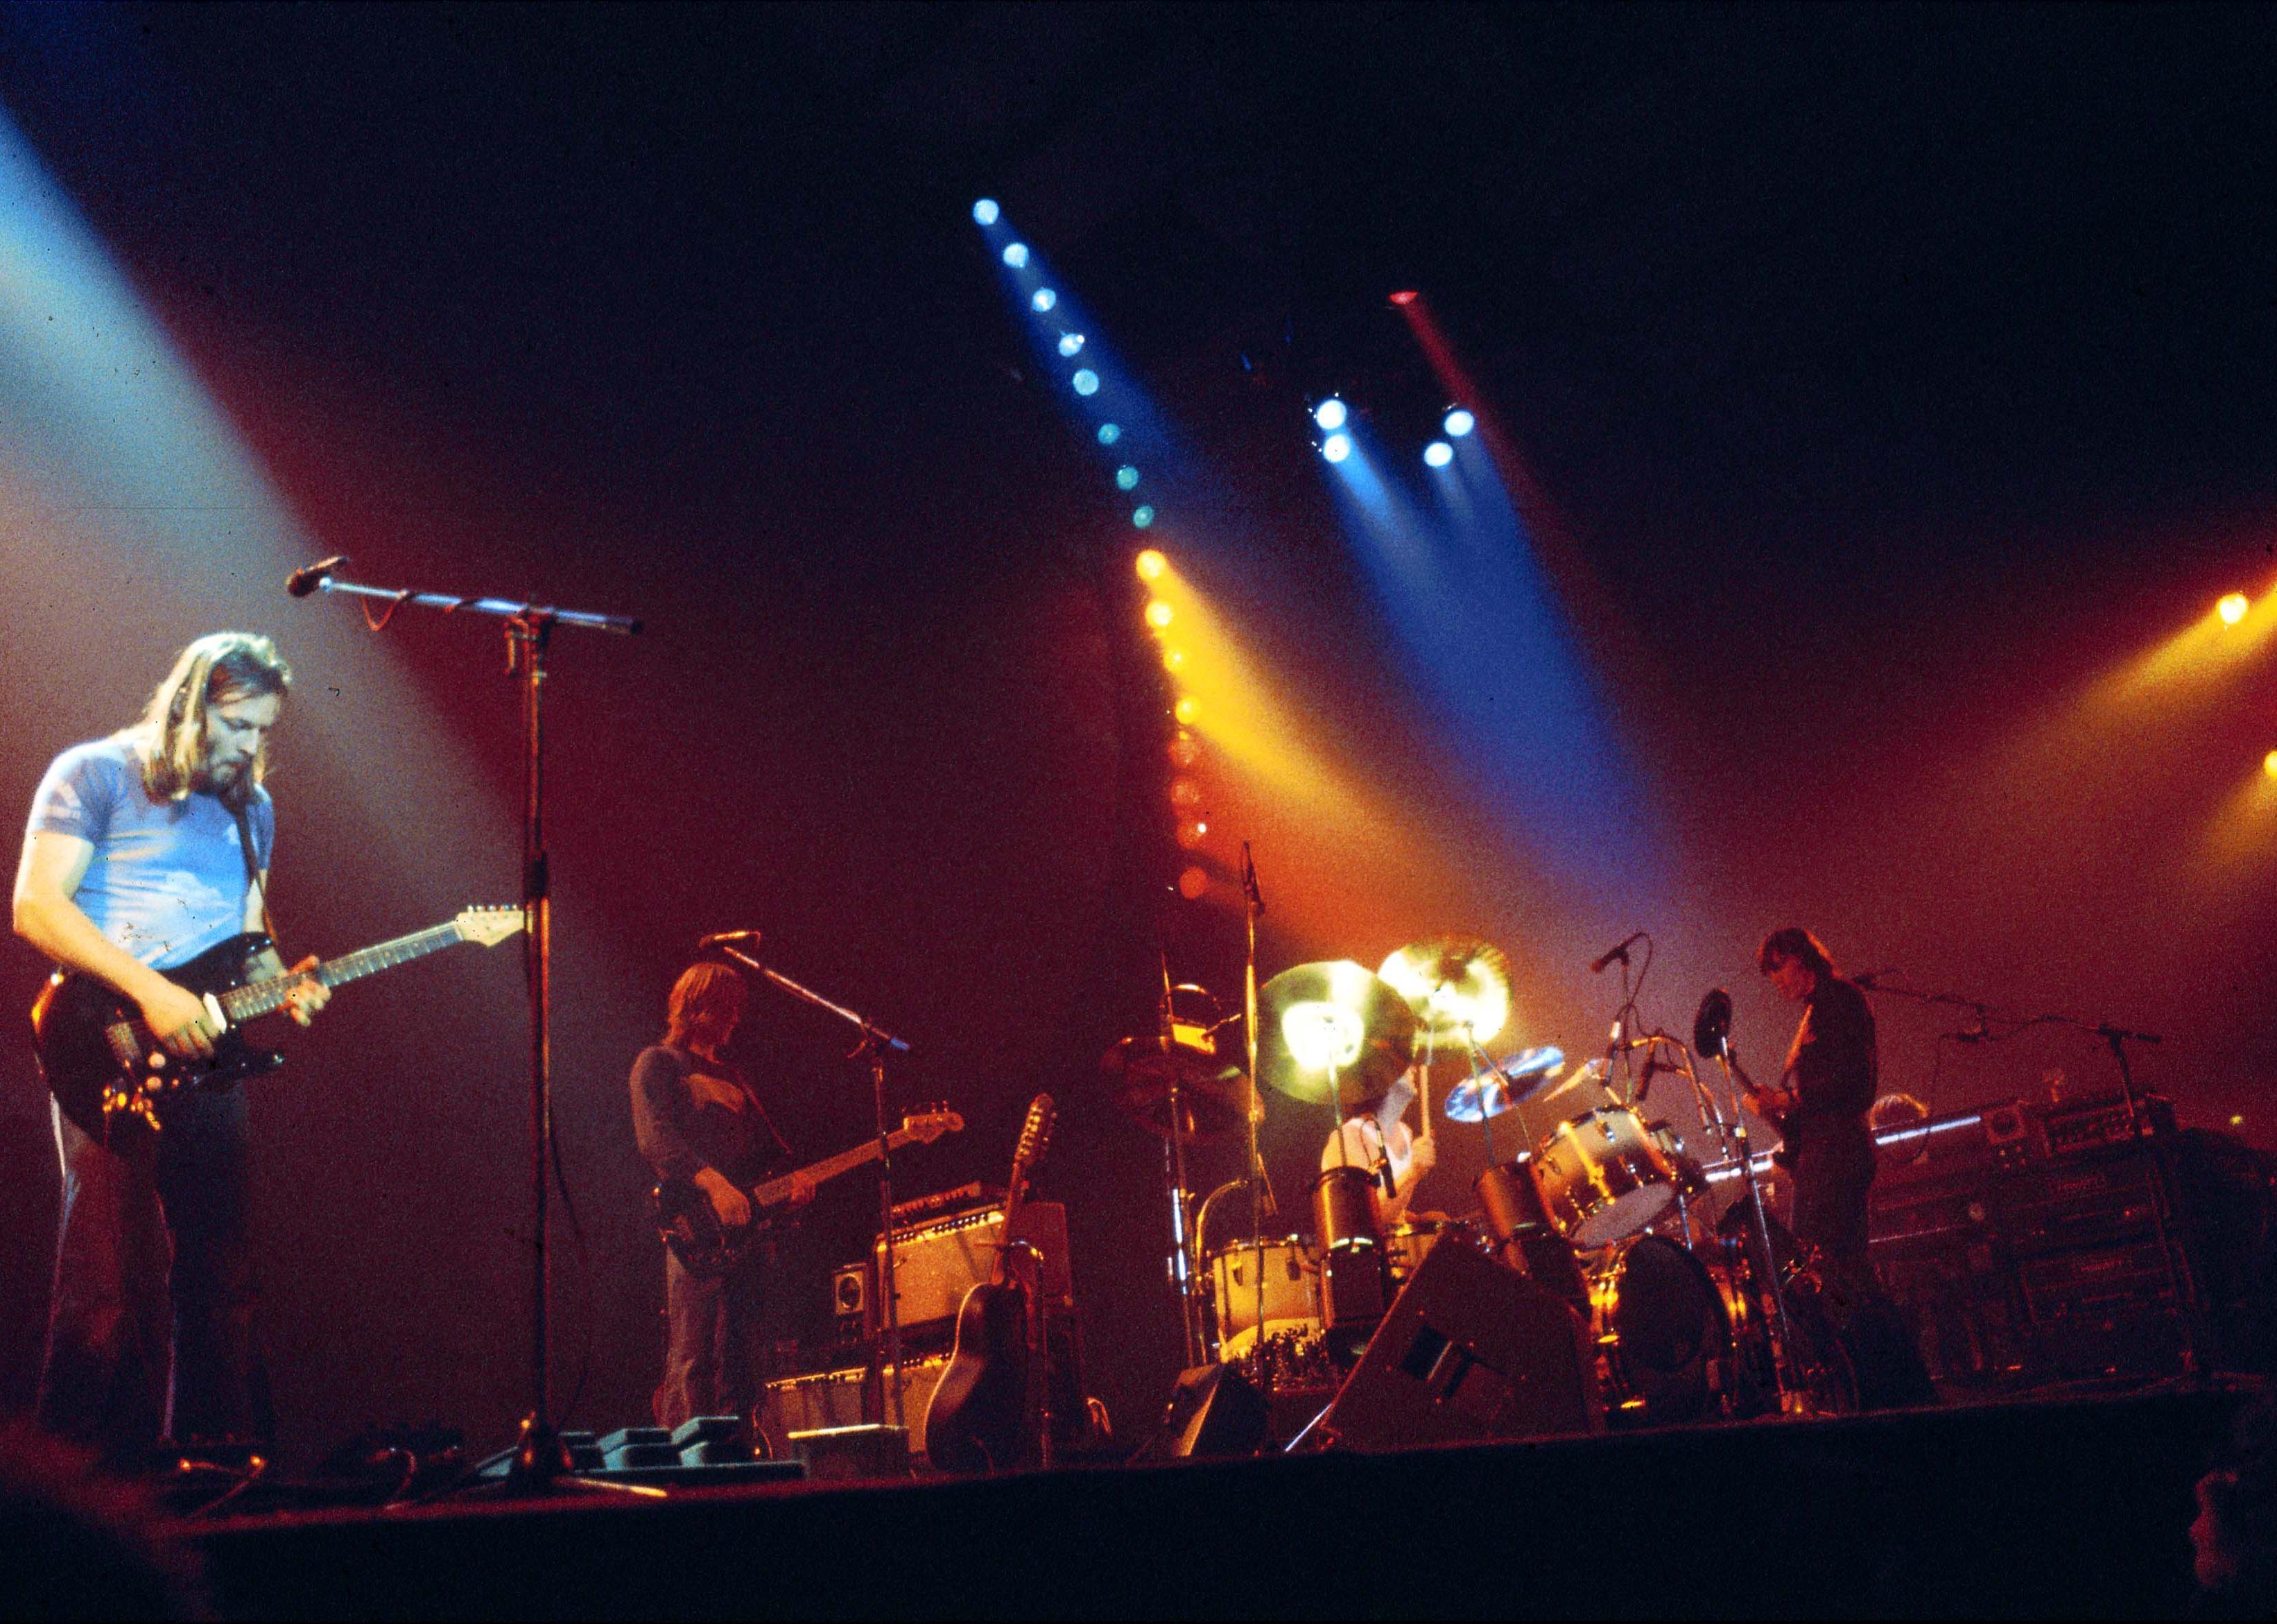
152	1327
715	1352
1833	1178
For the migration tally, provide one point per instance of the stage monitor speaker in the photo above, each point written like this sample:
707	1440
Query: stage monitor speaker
1470	1350
1213	1411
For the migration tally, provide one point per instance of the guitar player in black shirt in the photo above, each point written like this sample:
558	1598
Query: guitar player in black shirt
698	1120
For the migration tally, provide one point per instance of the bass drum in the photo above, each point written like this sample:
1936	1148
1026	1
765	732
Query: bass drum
1664	1340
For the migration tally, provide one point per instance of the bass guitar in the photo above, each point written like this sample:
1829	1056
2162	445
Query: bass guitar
982	1412
689	1225
100	1061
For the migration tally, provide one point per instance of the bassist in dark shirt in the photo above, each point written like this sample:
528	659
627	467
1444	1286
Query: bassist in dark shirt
1826	1087
698	1119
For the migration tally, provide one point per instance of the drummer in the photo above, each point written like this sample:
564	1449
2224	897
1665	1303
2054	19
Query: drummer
1375	1137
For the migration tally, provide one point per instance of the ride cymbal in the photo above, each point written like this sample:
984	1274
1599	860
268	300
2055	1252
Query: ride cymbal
1333	1020
1505	1083
1455	986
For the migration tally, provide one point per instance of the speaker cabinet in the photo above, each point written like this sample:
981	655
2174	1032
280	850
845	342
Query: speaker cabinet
1470	1350
1213	1411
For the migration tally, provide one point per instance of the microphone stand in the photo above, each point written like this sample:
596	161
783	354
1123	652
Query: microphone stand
872	1045
540	1458
1260	1185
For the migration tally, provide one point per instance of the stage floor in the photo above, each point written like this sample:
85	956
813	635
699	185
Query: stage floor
2054	1506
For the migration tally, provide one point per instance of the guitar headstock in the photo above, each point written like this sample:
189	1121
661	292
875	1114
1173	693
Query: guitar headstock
489	926
930	1124
1035	1133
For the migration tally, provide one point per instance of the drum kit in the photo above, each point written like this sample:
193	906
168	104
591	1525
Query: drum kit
1694	1315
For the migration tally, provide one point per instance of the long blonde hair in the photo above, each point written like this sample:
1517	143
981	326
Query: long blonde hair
705	1003
219	668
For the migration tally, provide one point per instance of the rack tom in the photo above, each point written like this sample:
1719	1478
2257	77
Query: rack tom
1602	1177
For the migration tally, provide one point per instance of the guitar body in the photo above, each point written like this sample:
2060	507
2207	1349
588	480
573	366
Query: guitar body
90	1040
978	1420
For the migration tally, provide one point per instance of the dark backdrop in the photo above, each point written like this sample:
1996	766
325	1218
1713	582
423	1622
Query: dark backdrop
1896	376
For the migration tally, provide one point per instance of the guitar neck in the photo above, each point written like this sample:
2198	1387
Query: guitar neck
258	998
830	1166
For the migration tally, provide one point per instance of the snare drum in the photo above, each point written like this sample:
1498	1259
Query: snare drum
1602	1177
1411	1241
1292	1292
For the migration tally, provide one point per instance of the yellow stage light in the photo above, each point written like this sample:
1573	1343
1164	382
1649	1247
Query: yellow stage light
1151	565
2269	764
1185	711
1160	615
2232	608
1173	660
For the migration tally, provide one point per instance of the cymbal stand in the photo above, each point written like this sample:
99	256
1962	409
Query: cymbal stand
1174	1167
1735	1132
540	1457
1260	1187
1482	1067
872	1045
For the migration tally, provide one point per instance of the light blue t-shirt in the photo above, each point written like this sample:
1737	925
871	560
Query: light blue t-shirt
167	878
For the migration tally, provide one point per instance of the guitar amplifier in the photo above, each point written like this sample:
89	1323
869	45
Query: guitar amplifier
936	1263
835	1399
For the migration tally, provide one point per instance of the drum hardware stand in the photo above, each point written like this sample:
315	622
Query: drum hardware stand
1174	1167
540	1458
1260	1185
871	1047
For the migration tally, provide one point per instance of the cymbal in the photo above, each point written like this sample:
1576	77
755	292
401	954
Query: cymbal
1505	1083
1454	984
1213	1096
1332	1018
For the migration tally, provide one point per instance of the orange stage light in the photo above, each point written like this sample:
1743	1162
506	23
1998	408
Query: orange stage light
1192	883
1186	710
2232	608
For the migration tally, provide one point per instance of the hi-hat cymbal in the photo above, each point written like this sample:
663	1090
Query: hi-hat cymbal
1507	1082
1213	1096
1332	1019
1455	985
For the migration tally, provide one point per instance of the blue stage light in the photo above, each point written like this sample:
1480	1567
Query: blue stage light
1110	432
1142	517
1126	477
1438	454
1016	256
1086	382
1045	300
985	211
1336	447
1459	424
1070	342
1330	414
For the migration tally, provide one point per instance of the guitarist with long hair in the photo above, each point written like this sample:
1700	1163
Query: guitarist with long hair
145	849
698	1121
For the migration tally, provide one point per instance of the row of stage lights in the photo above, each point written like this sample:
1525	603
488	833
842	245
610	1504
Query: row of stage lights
1084	380
1332	415
1185	748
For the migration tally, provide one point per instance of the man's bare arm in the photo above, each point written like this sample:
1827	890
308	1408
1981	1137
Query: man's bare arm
46	878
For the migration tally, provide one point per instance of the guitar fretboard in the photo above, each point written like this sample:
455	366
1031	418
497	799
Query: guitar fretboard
830	1166
258	998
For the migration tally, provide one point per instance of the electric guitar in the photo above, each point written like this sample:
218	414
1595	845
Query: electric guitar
981	1413
691	1225
101	1062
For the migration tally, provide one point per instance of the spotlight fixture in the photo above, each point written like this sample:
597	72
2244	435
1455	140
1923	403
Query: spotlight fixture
1330	413
2269	764
2232	608
1459	424
1160	615
1045	300
985	211
1142	516
1193	884
1126	477
1438	454
1405	297
1086	382
1070	342
1108	433
1186	710
1336	447
1016	254
1152	565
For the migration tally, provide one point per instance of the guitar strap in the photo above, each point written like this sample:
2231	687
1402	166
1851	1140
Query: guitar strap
253	874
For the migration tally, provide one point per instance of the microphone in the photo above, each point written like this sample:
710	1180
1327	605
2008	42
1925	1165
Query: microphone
1872	978
1249	880
1652	1064
726	938
1620	951
300	583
